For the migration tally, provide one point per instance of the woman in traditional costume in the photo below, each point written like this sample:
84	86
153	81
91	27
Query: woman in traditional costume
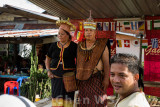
60	59
92	68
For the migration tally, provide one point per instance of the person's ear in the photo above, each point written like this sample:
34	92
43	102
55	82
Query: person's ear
136	76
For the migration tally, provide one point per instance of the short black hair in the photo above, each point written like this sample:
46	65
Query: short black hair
131	61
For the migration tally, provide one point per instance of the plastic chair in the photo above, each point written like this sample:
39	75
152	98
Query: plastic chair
19	80
10	85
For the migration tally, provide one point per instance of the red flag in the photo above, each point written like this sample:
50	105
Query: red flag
127	43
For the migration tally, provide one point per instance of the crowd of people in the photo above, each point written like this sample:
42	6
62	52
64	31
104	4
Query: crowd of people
21	66
93	70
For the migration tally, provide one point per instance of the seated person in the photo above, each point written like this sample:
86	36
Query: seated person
124	76
40	68
24	67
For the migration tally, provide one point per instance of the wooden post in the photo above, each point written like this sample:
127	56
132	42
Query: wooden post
8	50
15	55
140	53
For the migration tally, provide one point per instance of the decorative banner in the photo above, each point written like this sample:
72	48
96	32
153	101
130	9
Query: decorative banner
152	56
105	26
144	43
119	25
135	42
134	25
149	24
140	25
119	43
113	27
156	24
127	26
154	42
127	43
152	67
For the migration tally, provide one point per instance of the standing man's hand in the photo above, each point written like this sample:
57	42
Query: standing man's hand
105	84
106	66
47	63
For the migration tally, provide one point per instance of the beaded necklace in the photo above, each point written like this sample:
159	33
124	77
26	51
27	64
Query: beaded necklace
87	52
62	50
63	44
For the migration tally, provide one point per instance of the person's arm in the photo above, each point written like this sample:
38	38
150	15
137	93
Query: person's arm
47	63
105	60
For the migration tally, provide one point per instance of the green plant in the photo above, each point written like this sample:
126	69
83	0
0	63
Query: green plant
38	83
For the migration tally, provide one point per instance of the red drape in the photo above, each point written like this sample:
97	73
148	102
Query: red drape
152	58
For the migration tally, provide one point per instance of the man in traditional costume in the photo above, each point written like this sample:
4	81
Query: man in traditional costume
92	68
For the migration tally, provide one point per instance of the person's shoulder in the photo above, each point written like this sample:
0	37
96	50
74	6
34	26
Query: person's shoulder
54	44
139	100
73	44
136	99
139	94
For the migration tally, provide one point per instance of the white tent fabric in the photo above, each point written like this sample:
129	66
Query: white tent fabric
15	101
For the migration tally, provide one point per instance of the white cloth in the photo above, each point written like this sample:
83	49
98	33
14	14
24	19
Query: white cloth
136	99
15	101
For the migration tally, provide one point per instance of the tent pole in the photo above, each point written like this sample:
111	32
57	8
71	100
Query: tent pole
140	53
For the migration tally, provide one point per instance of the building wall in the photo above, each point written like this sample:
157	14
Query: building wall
134	49
7	17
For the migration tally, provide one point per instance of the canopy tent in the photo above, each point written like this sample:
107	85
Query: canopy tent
79	9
